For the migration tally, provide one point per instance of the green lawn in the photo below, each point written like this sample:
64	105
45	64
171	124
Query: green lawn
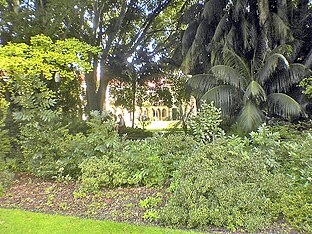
161	125
17	221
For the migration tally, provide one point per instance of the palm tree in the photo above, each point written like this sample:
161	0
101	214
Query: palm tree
248	92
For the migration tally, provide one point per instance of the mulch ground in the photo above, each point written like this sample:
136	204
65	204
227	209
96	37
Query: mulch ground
120	204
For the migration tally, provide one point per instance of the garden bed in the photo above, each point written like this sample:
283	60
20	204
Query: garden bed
120	204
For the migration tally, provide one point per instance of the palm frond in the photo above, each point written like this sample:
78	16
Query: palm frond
197	47
186	65
201	32
192	12
239	8
222	27
230	38
224	97
255	91
270	66
213	10
188	37
278	82
199	84
283	105
215	49
295	46
232	59
250	117
281	30
229	75
297	72
246	29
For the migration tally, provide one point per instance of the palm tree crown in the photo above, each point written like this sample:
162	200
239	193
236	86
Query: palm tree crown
250	91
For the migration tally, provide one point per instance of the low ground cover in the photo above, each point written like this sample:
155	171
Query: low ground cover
120	204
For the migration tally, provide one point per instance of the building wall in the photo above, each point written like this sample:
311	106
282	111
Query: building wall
151	113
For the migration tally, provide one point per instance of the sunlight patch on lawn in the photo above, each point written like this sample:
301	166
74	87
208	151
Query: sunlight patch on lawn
161	125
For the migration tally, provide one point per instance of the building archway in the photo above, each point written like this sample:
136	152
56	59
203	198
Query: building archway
164	114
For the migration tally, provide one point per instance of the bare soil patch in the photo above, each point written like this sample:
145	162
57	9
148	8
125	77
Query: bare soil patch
120	204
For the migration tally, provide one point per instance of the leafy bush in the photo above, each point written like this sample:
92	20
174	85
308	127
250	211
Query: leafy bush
229	183
6	176
205	126
150	162
101	172
297	165
50	151
43	144
297	208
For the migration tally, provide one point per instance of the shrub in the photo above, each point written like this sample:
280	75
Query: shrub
297	208
229	183
148	162
205	126
50	151
297	165
43	144
6	176
101	172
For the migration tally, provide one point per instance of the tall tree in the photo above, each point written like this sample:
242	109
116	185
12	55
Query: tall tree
248	93
124	30
251	29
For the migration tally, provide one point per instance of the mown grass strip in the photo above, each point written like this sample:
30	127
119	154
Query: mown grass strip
18	221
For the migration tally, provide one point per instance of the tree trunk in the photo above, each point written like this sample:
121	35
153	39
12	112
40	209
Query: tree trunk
101	94
264	21
134	81
91	91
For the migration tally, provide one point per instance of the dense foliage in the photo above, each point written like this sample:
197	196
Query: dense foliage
233	182
241	55
244	183
30	70
6	175
205	126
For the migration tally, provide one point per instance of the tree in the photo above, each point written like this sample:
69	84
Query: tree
128	37
134	31
251	29
29	71
23	19
250	93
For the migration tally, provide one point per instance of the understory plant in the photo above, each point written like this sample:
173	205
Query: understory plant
6	175
148	162
205	126
230	183
296	204
49	150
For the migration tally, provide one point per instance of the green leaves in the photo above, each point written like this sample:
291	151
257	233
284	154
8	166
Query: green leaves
250	117
226	184
284	105
205	126
31	68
